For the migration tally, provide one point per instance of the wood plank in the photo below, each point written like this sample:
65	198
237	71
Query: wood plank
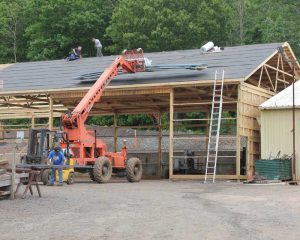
278	70
270	79
167	85
201	177
171	133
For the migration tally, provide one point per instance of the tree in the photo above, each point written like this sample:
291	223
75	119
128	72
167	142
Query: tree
158	25
11	29
60	25
278	22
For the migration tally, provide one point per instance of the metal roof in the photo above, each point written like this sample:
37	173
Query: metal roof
284	99
238	62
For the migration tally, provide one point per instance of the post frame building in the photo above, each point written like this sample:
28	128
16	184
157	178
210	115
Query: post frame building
253	74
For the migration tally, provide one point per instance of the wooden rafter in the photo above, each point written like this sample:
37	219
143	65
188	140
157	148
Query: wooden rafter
269	78
35	98
277	70
260	76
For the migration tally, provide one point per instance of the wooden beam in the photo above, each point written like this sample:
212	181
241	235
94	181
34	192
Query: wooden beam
238	134
260	76
269	78
18	105
278	70
297	66
160	154
156	86
41	99
201	177
171	133
115	131
50	113
32	121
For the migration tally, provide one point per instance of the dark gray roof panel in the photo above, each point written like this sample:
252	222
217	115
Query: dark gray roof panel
238	62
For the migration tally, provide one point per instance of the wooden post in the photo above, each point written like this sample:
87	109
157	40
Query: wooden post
238	136
32	120
50	113
159	146
1	131
115	131
207	126
13	175
171	133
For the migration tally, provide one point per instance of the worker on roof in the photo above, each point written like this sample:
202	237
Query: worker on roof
75	54
57	159
98	46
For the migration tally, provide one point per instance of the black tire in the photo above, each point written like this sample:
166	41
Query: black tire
134	170
91	173
46	176
71	178
102	170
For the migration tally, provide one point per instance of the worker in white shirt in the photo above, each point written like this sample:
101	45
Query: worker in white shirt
98	46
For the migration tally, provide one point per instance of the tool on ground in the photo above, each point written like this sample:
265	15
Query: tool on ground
214	129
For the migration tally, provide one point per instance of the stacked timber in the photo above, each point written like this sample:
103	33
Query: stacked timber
5	179
3	166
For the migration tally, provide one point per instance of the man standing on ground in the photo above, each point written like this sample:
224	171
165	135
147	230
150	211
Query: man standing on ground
57	158
98	46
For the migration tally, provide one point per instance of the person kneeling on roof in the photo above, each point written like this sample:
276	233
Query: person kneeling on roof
56	157
75	54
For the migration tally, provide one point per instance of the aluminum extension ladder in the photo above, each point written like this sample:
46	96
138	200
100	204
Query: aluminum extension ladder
214	130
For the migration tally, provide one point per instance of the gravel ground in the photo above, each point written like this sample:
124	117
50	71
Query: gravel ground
154	210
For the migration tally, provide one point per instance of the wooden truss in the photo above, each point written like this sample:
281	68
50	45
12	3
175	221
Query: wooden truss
275	74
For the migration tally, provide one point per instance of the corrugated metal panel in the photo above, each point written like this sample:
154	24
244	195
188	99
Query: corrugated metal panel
276	134
284	99
276	169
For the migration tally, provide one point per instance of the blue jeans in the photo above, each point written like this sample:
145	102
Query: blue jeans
53	175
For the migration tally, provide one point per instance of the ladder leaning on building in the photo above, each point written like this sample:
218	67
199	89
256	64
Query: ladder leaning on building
214	129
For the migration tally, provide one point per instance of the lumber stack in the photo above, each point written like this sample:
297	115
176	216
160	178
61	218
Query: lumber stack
3	165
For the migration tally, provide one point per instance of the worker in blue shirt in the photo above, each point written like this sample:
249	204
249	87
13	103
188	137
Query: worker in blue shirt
56	157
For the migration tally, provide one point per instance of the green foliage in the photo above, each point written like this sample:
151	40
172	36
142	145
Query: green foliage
12	30
124	120
44	30
274	21
60	25
157	25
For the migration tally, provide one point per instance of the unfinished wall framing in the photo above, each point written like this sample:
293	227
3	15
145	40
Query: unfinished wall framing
242	94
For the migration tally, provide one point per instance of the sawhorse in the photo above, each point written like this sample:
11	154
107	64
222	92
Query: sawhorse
32	180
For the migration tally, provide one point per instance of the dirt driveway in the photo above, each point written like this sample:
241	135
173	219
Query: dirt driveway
154	210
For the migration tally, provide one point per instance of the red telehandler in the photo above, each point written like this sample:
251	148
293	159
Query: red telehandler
88	152
86	148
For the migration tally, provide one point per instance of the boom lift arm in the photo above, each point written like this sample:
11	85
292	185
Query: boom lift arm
131	62
86	147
